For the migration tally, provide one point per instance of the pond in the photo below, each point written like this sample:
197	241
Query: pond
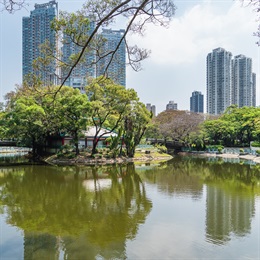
181	209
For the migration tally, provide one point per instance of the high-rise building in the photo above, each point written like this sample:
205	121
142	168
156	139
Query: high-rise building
218	81
115	68
98	60
254	89
171	106
229	81
151	108
243	82
197	102
36	31
85	68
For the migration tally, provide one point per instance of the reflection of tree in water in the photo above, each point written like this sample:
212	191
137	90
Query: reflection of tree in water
54	201
177	178
40	246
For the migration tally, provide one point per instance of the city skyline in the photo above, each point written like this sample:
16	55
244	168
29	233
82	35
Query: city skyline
177	63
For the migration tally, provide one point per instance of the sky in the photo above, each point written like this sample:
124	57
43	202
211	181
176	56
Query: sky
177	64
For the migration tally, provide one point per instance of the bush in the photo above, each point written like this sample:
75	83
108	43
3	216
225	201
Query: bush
255	144
257	152
161	148
66	148
97	156
218	148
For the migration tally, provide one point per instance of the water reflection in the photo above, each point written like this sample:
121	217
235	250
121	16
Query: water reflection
93	212
230	192
227	213
58	212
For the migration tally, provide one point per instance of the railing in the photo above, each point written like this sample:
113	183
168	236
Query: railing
9	149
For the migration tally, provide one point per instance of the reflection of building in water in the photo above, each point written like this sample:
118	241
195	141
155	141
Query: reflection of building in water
227	213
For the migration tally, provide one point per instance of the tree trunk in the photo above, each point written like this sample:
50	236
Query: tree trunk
76	142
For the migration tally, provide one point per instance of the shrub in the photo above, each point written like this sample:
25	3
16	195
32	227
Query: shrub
161	148
67	148
257	152
218	148
255	144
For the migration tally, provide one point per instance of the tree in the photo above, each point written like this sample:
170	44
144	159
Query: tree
11	6
73	111
26	122
237	126
32	115
178	125
110	102
135	124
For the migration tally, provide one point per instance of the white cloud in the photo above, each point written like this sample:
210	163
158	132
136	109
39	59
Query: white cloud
197	32
177	65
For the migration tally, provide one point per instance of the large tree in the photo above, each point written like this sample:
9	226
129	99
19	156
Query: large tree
32	116
73	111
110	102
27	122
177	125
135	124
237	126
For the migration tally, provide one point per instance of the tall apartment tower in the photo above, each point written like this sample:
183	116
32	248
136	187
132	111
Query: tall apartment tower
85	69
117	68
36	31
197	102
243	82
254	89
218	81
151	108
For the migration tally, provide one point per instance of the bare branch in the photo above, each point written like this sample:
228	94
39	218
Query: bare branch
11	6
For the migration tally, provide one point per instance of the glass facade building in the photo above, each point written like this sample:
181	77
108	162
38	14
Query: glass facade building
197	102
36	31
85	69
113	67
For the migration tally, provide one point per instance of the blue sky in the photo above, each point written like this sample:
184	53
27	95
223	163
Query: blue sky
177	65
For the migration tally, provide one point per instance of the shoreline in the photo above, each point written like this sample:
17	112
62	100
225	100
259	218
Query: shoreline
88	161
248	157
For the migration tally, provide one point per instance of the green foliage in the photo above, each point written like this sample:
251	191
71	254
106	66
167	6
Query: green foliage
258	152
161	148
236	127
255	144
34	116
73	111
135	123
110	103
218	148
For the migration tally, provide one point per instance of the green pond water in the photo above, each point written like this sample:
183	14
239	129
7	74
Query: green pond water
186	208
